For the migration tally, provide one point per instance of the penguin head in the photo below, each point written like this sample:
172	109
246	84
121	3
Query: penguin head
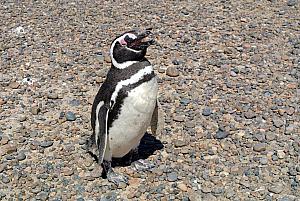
129	47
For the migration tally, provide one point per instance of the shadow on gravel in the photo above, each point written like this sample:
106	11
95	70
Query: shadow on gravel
149	144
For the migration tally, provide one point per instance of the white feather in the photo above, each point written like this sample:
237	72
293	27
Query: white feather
133	79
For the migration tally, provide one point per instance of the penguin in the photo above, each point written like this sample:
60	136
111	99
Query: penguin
126	103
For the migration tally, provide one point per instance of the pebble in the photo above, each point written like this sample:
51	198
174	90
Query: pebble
74	102
110	196
21	156
22	118
172	71
5	179
182	187
280	154
259	147
221	134
292	2
52	95
206	111
278	122
179	143
2	167
35	110
7	149
263	161
68	171
46	144
276	188
178	118
14	85
250	114
70	116
172	176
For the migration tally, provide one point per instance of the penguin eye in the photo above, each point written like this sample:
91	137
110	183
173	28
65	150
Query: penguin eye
128	39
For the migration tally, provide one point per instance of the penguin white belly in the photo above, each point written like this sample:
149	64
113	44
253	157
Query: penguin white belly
134	118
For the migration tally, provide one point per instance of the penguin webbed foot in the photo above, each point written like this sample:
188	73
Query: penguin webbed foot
112	176
141	165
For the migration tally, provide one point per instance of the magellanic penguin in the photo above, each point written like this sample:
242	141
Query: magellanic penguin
125	103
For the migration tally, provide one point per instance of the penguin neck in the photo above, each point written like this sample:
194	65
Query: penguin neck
122	65
125	64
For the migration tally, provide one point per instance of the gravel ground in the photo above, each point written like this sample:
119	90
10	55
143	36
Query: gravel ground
229	88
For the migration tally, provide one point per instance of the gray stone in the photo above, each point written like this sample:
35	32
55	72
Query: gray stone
179	143
46	144
276	188
70	116
250	114
292	2
110	196
21	156
172	176
206	111
221	134
259	147
277	122
52	95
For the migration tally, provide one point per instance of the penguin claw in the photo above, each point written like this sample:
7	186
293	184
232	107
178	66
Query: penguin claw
142	165
116	178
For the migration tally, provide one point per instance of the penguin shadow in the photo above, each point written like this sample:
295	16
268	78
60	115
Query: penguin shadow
148	145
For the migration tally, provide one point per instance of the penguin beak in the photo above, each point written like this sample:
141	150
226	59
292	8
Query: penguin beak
140	42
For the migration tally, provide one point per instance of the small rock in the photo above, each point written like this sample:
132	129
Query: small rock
206	111
70	116
74	102
263	161
276	188
68	171
259	147
52	95
270	136
2	167
190	124
5	179
14	85
22	118
280	154
182	187
21	156
172	176
179	118
179	143
46	144
35	110
292	2
172	71
110	196
221	134
4	140
290	129
7	149
278	122
161	70
250	114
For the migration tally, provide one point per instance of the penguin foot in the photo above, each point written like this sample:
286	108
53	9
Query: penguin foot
143	165
116	178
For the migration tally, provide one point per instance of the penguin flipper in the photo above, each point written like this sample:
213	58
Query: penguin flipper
101	132
157	122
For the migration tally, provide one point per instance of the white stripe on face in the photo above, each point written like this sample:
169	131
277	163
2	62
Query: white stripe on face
132	80
121	40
